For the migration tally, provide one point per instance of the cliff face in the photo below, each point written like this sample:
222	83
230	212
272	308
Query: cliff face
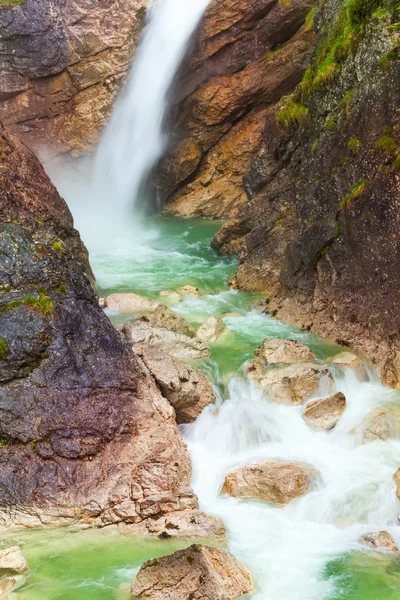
61	66
320	231
85	434
247	55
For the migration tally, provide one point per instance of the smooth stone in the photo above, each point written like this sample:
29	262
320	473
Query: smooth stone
384	425
379	541
14	569
171	296
348	360
130	303
274	481
324	414
274	350
211	330
198	572
396	478
189	290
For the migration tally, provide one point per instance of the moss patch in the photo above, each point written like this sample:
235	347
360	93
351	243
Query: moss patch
3	349
42	303
291	115
387	142
355	192
354	145
57	247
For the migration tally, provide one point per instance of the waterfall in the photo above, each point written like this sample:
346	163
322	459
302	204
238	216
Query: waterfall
134	139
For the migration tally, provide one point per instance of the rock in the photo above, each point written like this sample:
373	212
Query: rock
197	572
91	440
274	350
186	388
384	425
273	481
325	413
63	68
102	303
396	478
292	384
172	297
348	360
143	335
185	524
14	570
165	318
130	303
211	330
189	290
379	541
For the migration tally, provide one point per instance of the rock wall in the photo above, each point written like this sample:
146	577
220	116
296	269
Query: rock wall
85	435
320	233
61	66
246	56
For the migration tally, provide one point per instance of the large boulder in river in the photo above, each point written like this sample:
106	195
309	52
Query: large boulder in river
274	350
379	541
165	318
396	478
291	384
185	387
274	481
13	570
383	425
86	435
349	360
325	413
197	573
129	303
211	330
142	335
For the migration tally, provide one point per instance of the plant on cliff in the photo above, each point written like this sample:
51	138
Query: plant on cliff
3	349
354	145
42	303
355	192
292	114
387	143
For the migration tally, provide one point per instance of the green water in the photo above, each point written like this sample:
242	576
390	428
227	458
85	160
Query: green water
91	565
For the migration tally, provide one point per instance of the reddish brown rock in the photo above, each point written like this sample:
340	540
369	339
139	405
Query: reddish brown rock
199	573
325	413
379	541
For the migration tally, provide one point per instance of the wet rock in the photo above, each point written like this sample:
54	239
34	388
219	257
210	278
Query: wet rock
186	388
189	290
14	570
325	413
396	478
185	524
273	481
171	297
197	572
211	330
165	318
348	360
274	350
384	425
292	384
129	303
143	335
89	438
379	541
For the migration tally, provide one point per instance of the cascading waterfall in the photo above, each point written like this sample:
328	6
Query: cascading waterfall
134	139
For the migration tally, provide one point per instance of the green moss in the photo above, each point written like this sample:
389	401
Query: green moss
355	192
354	145
313	146
284	3
5	289
387	142
11	2
396	162
347	101
41	303
291	115
310	18
4	442
57	247
330	124
3	349
327	72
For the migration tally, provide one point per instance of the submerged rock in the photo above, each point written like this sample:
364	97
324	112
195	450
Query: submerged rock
379	541
325	413
171	297
186	388
199	572
384	425
396	478
189	290
143	335
129	303
165	318
14	570
348	360
292	384
211	330
274	350
274	481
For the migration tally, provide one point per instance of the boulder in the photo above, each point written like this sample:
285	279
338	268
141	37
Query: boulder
396	478
383	425
171	297
130	303
199	572
186	388
189	290
274	350
325	413
142	335
379	541
165	318
292	384
274	481
348	360
211	330
14	570
184	524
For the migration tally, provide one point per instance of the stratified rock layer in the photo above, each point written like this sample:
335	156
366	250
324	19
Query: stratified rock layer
86	435
198	573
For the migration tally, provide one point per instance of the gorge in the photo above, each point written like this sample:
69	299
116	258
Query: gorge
195	399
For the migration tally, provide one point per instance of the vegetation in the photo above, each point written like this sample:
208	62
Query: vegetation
355	192
330	124
396	162
310	18
3	349
5	2
57	247
387	142
42	303
346	102
354	145
292	114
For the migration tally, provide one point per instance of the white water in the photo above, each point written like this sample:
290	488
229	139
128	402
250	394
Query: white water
134	139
